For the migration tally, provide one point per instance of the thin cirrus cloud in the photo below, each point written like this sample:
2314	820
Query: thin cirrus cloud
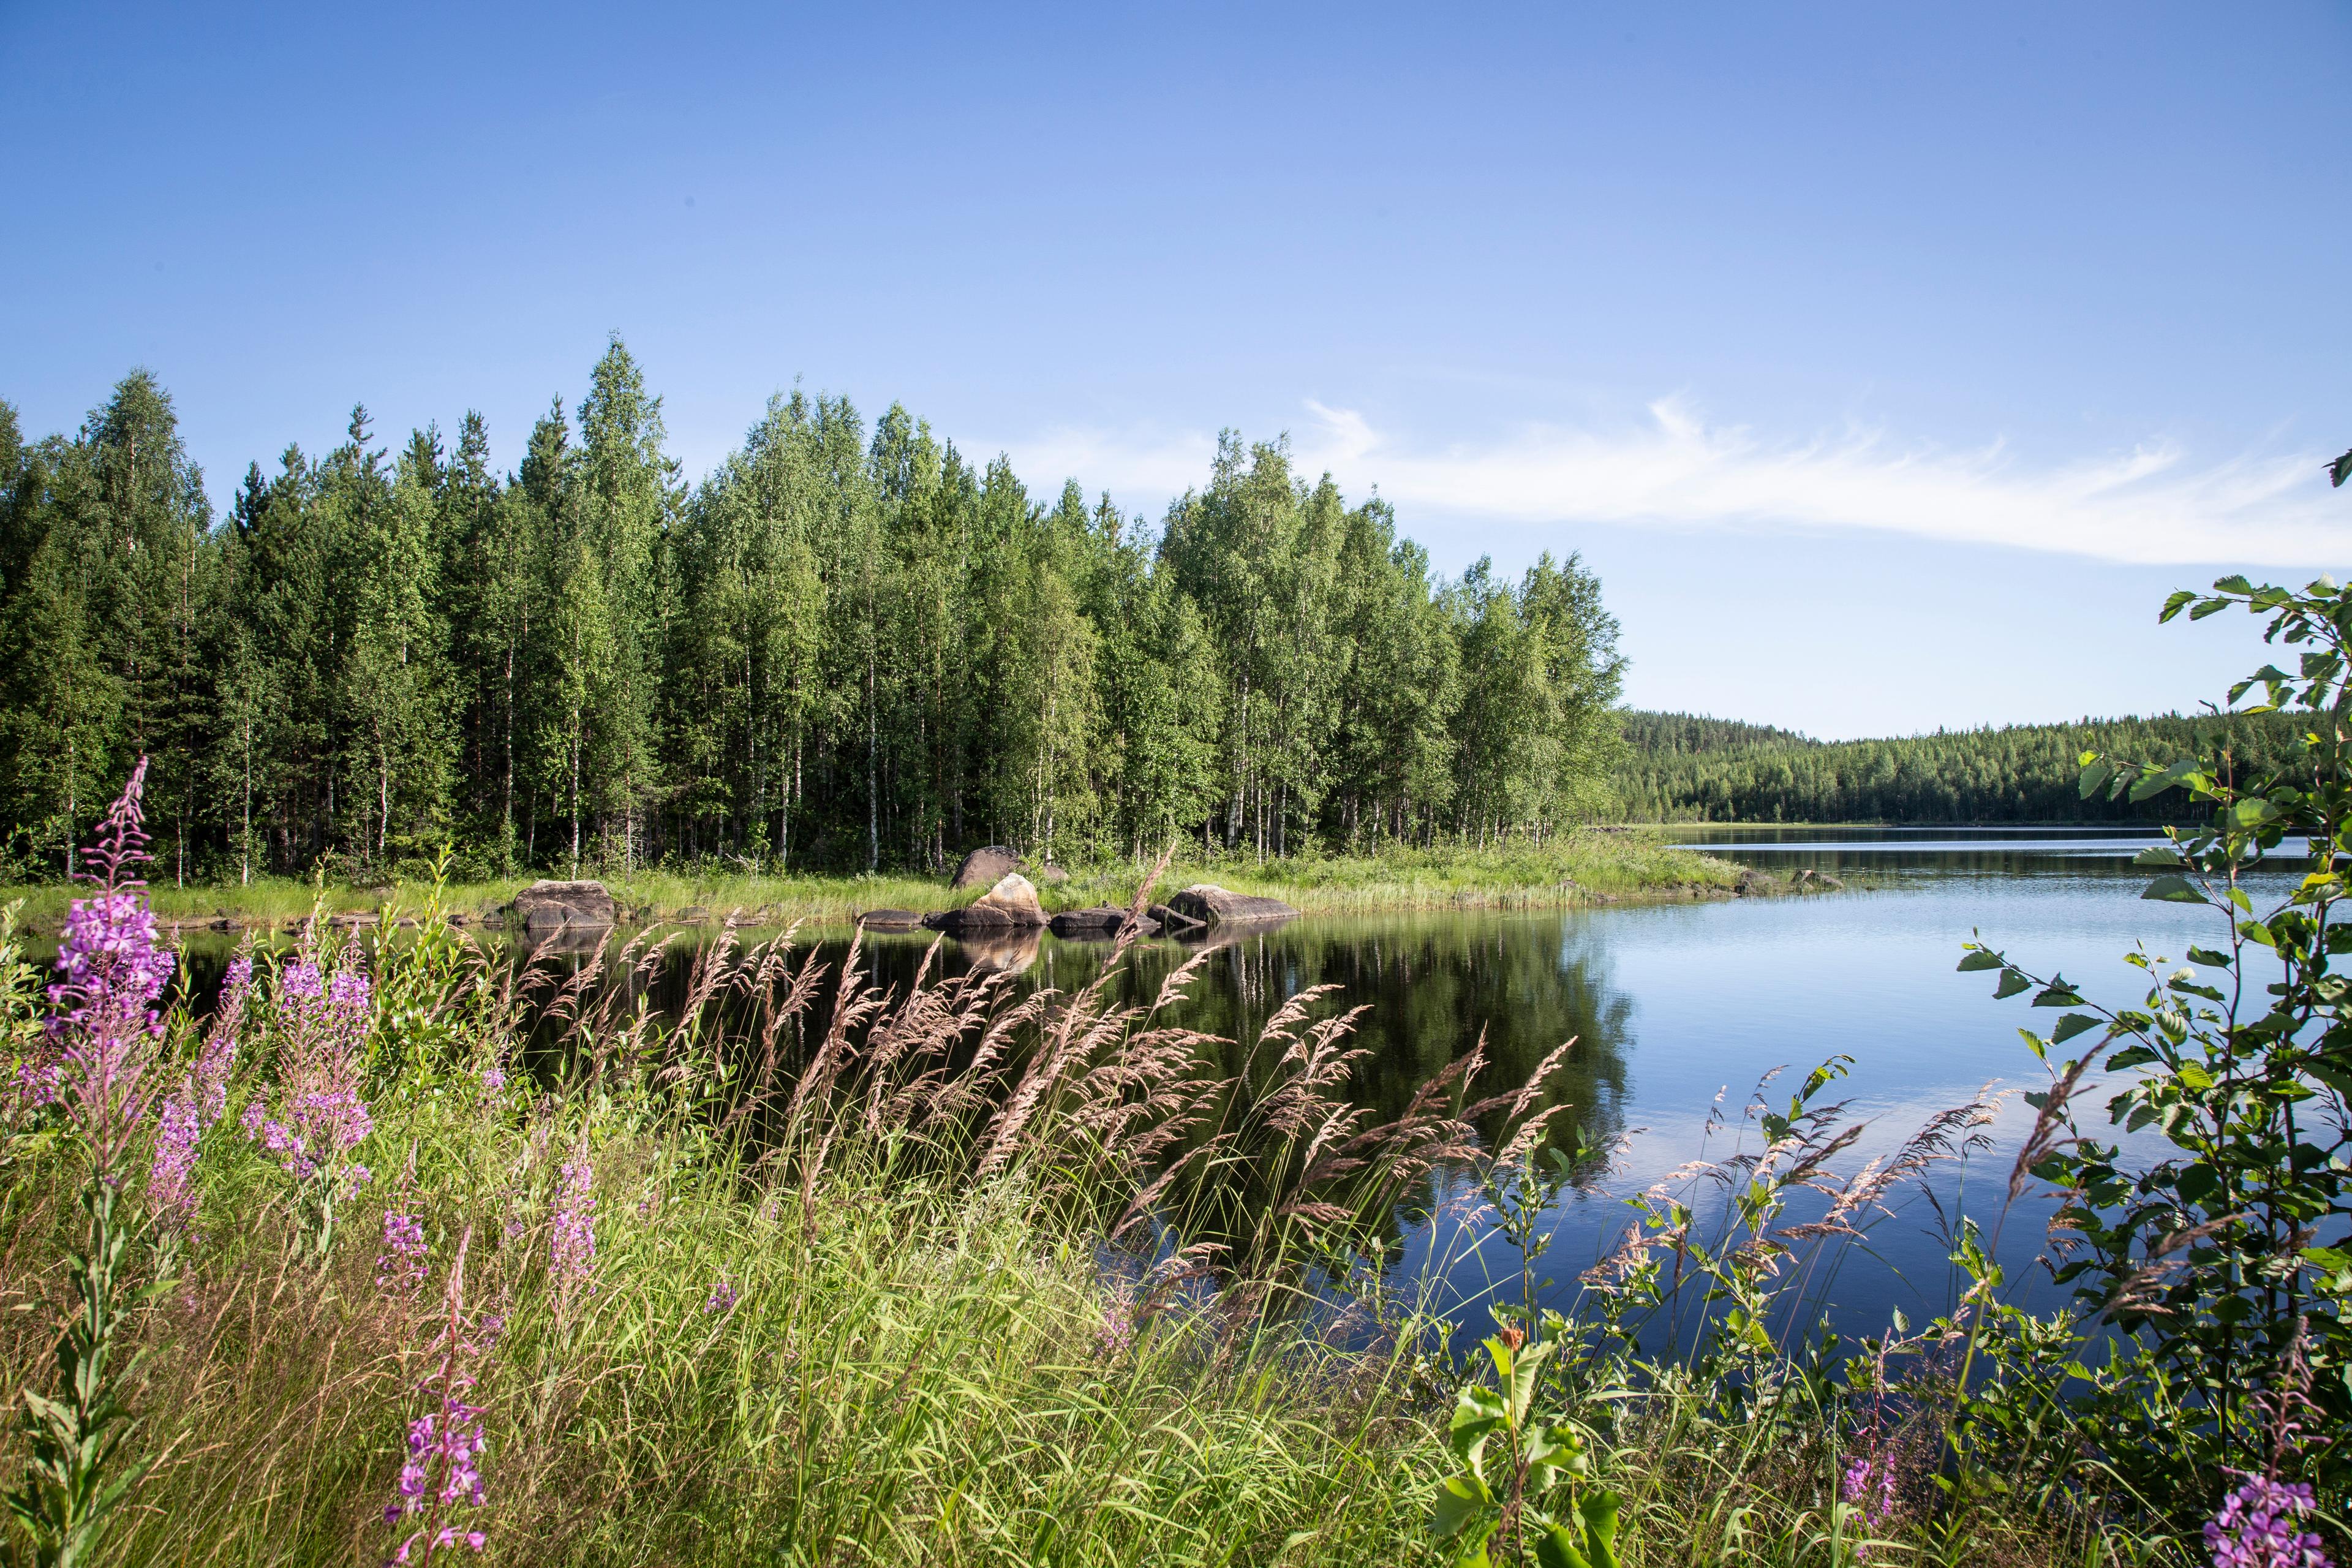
2152	505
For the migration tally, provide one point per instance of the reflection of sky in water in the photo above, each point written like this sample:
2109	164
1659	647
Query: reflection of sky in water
1722	993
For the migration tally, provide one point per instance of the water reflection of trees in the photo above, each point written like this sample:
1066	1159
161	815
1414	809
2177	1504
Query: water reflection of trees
1431	985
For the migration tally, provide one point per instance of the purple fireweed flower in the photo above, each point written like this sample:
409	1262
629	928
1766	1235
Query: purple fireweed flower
1116	1334
441	1471
171	1190
322	1020
722	1296
571	1245
1868	1485
2257	1526
104	1023
400	1265
39	1080
199	1101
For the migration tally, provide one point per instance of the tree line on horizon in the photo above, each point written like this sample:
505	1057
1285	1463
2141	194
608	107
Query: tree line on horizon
846	648
1682	767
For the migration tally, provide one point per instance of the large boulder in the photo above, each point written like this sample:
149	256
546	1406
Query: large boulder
1214	906
1099	924
552	906
1011	905
983	868
891	919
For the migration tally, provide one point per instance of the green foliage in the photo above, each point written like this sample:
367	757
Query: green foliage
2227	1254
1511	1462
1678	768
846	649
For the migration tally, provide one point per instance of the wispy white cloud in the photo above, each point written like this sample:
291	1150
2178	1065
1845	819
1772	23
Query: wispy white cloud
1673	467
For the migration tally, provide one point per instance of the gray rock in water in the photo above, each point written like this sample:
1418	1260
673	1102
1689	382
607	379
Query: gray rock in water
983	868
1214	906
1098	923
693	915
891	919
552	906
1010	905
1171	920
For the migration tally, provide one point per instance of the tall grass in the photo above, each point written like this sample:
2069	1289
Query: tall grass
814	1273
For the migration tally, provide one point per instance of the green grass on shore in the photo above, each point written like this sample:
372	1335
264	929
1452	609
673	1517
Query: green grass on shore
1580	867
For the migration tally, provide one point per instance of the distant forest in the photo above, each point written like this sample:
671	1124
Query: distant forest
849	646
1682	768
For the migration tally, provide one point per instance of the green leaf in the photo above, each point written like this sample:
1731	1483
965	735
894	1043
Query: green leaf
2175	600
2257	932
1600	1510
1546	1454
2209	958
2159	854
1460	1501
2174	890
2207	607
2235	582
1555	1548
1477	1411
2011	983
2093	777
2057	994
1980	958
2072	1025
1524	1370
2335	1075
2157	782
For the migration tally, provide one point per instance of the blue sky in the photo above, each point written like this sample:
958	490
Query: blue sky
1889	363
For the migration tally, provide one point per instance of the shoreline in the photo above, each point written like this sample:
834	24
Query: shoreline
1594	866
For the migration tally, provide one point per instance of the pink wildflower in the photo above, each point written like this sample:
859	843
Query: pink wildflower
1869	1486
400	1265
1116	1334
571	1248
199	1101
442	1470
111	974
2258	1526
322	1022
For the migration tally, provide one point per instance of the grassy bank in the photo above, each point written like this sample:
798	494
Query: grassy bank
1593	867
940	1278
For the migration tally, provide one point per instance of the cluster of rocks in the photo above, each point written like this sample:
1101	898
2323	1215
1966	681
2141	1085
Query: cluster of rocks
1011	906
1007	911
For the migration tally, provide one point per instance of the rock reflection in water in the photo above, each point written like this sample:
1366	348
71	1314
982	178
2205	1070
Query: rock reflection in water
1007	952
